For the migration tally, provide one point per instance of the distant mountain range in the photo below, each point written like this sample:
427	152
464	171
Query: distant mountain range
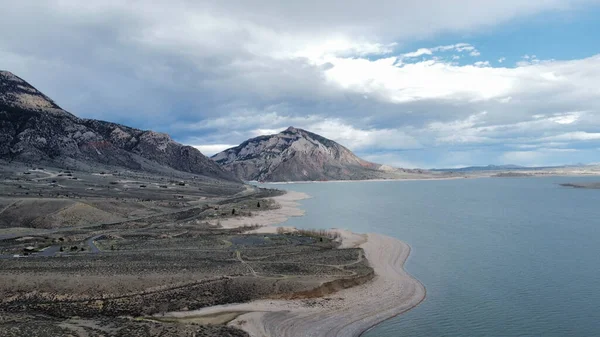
503	168
34	129
482	168
300	155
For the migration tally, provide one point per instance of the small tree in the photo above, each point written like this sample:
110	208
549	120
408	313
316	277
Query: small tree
233	211
258	204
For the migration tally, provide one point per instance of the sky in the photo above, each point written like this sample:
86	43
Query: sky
428	84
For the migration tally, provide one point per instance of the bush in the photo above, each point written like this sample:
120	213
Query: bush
319	233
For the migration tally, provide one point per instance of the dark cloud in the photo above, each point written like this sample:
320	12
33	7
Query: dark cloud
210	71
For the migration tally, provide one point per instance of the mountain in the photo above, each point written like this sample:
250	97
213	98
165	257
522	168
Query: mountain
34	129
484	168
508	167
299	155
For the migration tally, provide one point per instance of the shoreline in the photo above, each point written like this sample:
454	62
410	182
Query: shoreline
348	312
530	174
288	203
355	181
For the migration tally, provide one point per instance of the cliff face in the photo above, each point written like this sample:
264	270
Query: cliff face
298	155
34	129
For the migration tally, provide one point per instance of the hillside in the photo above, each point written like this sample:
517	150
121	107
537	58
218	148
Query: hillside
35	130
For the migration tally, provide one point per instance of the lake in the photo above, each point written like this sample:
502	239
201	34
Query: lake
498	256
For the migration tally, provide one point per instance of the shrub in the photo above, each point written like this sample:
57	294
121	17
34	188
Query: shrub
319	233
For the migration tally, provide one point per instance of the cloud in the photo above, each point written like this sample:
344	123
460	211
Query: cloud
209	150
458	48
420	52
574	136
539	157
385	80
535	158
394	160
214	73
528	60
566	118
242	127
368	138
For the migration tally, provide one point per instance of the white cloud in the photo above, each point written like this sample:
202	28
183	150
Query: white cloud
341	47
566	118
419	52
364	138
502	59
528	60
458	47
436	79
574	136
418	81
354	138
394	160
209	150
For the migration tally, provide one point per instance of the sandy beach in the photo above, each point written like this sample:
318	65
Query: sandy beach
288	208
348	312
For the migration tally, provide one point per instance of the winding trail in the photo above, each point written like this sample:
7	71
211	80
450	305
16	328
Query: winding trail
91	242
250	269
348	312
9	206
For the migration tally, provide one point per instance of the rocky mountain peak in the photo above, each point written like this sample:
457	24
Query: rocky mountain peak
294	155
16	92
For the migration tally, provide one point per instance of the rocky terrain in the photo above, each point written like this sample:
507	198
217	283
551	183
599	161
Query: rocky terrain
34	129
105	253
299	155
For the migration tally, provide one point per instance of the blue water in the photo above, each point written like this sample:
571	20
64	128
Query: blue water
499	257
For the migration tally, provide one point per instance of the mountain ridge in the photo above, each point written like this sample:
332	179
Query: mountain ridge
507	167
34	129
